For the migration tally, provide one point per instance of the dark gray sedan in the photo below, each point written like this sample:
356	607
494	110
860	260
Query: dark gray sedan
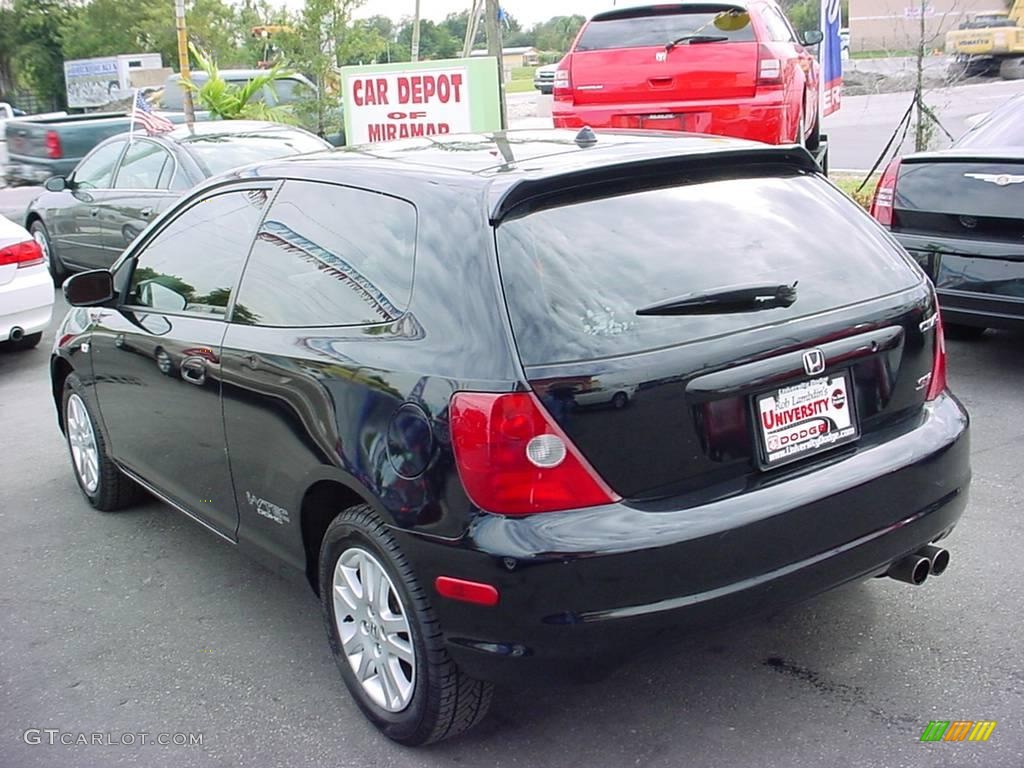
84	221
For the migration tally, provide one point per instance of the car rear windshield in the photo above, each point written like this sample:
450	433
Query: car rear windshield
574	275
658	27
219	153
1003	128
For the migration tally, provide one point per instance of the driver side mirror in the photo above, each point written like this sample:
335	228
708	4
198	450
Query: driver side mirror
811	37
56	184
89	289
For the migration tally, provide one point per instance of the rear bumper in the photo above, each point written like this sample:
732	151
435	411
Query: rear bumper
760	118
979	283
26	302
32	170
583	586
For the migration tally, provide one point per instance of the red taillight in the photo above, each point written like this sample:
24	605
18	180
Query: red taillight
769	66
938	382
514	459
466	591
885	194
25	254
562	88
53	147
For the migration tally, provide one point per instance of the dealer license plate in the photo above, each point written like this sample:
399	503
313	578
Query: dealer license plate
803	419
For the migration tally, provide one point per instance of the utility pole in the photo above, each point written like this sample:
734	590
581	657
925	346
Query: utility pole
471	27
186	76
416	33
919	129
493	30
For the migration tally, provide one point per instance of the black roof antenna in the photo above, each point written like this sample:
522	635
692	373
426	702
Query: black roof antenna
586	137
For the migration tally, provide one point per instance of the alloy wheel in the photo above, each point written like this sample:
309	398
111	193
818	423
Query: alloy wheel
82	439
374	629
44	245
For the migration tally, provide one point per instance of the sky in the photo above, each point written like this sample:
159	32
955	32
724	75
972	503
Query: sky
526	11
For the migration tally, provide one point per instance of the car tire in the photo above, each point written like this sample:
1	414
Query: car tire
105	486
620	400
430	698
25	342
57	270
963	332
813	140
1012	69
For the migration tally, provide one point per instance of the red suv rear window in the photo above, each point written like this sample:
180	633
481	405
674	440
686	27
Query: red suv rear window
650	27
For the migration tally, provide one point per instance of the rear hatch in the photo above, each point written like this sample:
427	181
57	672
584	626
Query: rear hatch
705	404
971	210
627	56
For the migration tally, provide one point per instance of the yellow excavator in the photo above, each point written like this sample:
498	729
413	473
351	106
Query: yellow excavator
989	40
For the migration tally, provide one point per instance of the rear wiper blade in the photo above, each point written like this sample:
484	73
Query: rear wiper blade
736	298
688	39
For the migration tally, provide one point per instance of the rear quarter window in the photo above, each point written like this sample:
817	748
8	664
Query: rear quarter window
657	28
574	275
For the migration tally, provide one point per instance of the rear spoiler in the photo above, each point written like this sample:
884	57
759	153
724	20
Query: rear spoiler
663	9
637	172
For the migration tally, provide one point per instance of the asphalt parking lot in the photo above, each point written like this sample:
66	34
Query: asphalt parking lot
141	622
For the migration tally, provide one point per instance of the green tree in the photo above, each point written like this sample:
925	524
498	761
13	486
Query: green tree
237	102
39	56
557	33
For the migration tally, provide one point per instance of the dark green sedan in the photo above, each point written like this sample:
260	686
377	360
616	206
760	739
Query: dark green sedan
84	221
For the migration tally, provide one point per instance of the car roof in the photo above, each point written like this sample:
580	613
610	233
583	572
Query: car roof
214	128
512	165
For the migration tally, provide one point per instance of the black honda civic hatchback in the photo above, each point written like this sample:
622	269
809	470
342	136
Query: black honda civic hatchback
522	402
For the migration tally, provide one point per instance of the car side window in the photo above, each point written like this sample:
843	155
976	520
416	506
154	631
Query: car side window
96	171
329	255
778	29
192	265
145	166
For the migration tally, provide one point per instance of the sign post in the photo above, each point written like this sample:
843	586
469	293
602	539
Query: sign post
179	20
831	57
385	102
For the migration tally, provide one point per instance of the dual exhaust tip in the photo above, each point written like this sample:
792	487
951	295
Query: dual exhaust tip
915	568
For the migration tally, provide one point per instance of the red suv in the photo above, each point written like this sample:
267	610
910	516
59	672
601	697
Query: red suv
721	68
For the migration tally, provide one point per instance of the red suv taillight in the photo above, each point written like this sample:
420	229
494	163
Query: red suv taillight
938	382
513	459
53	148
25	254
562	89
769	66
885	194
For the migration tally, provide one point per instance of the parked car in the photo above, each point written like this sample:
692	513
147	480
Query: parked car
288	90
544	78
723	68
26	293
790	428
85	220
960	213
41	147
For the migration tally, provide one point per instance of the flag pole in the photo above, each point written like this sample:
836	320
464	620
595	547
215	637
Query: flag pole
131	122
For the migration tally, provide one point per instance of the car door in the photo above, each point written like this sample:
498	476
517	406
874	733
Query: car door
148	181
327	284
156	357
77	228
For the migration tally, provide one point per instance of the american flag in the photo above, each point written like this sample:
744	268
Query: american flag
145	116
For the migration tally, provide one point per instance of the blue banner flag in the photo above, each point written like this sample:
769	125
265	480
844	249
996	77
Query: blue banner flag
831	57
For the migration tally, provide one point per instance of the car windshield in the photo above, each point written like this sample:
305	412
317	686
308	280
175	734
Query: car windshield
657	28
222	152
1003	128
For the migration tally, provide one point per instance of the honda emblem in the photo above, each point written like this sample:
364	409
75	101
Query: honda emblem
814	362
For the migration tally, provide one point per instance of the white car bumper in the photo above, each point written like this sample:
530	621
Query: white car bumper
26	302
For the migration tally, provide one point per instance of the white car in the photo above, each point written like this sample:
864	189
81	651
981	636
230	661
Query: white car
26	288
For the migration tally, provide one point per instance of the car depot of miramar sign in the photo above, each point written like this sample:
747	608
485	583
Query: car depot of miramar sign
384	102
